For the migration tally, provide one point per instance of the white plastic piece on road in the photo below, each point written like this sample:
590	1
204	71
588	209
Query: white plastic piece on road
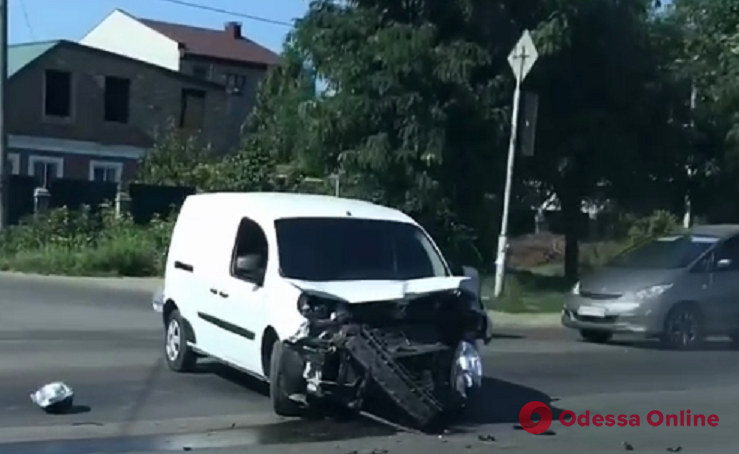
52	397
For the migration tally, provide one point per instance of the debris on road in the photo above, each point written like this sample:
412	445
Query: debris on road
675	449
54	397
486	437
627	446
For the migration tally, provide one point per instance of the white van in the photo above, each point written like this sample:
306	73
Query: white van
319	295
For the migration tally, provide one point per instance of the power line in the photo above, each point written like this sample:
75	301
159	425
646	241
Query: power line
228	12
27	19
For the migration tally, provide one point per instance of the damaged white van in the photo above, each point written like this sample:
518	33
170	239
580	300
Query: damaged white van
327	299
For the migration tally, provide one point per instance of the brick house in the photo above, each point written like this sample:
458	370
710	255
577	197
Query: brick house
80	112
223	56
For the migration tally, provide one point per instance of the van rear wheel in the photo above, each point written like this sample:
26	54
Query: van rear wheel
179	356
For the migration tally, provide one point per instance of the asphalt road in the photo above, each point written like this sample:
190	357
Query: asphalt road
105	343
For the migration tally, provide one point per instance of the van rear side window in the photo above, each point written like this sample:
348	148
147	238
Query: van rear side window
250	254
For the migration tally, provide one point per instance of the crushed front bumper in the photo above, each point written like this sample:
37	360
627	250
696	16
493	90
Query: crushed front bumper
424	381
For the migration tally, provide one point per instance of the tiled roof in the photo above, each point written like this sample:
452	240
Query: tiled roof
225	44
20	55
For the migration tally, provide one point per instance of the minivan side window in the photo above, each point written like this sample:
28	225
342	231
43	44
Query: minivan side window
729	250
249	259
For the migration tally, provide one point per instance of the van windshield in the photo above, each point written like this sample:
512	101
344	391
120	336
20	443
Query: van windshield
340	249
668	252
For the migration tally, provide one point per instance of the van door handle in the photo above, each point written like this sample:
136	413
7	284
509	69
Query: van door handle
223	295
214	291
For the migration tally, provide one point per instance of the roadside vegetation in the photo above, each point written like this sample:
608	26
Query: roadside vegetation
536	281
80	243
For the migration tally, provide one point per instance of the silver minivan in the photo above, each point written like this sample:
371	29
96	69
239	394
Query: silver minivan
678	288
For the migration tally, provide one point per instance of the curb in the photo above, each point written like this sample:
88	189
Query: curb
142	284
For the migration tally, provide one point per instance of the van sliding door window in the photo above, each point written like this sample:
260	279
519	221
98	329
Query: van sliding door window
249	260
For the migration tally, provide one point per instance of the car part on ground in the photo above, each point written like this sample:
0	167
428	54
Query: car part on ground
418	353
54	397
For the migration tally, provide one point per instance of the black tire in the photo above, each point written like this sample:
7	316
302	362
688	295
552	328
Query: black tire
683	328
595	336
283	382
179	356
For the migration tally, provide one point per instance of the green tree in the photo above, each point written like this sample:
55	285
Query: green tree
178	158
707	61
601	111
411	112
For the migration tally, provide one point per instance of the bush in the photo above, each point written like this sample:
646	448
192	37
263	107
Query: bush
82	243
658	223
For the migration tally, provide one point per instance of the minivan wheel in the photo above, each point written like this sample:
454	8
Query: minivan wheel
179	356
683	328
283	382
596	336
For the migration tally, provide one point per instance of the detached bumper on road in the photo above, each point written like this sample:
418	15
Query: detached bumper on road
642	320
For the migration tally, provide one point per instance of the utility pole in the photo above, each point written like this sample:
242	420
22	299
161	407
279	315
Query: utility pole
3	110
688	216
521	59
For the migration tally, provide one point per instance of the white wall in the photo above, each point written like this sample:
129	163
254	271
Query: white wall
122	34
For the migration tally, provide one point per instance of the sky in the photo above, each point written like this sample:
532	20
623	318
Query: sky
72	19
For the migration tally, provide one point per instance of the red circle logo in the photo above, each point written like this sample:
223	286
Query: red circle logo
545	417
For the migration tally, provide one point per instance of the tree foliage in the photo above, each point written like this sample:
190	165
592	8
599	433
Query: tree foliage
410	101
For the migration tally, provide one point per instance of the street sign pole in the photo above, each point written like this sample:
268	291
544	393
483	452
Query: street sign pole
3	110
521	59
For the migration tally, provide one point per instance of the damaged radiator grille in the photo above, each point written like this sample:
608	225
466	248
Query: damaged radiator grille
392	377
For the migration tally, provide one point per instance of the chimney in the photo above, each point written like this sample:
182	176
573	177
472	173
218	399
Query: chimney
233	29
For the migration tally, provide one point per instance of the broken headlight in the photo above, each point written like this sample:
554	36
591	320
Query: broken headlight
314	308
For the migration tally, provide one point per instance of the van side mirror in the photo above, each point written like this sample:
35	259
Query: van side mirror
249	267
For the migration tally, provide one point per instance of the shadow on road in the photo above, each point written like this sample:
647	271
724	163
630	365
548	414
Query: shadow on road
236	377
507	336
497	401
500	401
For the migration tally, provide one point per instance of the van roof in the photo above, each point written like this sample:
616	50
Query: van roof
270	206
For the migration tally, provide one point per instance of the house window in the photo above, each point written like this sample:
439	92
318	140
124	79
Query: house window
57	94
14	164
192	107
235	83
117	99
199	71
105	171
45	169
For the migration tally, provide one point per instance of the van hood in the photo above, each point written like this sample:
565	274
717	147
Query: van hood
617	281
356	292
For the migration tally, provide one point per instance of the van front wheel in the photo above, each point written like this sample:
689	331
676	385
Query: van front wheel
282	384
